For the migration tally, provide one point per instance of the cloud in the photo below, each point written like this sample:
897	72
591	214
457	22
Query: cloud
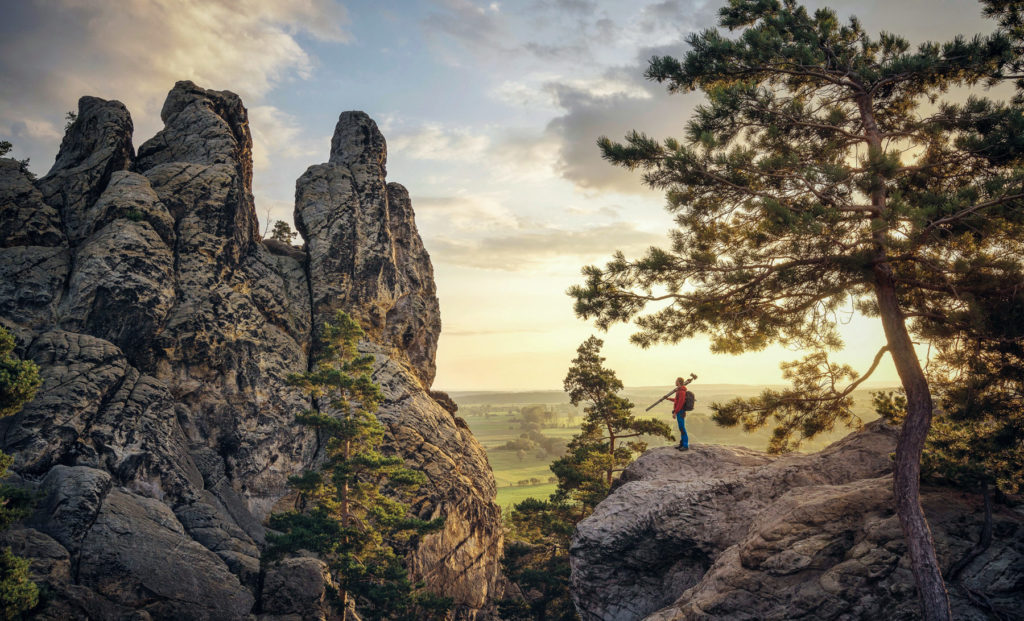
612	105
463	213
478	29
435	142
674	18
53	51
525	249
580	7
524	155
277	134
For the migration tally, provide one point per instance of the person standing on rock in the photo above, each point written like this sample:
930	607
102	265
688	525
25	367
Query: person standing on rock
679	411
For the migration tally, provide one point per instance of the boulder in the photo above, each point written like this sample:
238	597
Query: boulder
730	533
296	589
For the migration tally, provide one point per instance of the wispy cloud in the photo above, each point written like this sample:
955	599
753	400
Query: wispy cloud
463	212
519	250
435	142
456	26
278	135
53	51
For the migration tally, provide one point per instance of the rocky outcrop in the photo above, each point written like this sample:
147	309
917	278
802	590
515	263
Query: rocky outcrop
730	533
163	434
366	257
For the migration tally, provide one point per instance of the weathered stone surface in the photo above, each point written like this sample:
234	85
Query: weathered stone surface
164	432
295	589
460	560
31	280
208	522
96	145
95	410
206	127
121	287
25	220
365	254
240	319
137	553
728	533
128	196
414	323
73	496
366	257
50	568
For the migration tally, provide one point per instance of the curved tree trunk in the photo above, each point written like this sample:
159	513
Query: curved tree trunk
909	445
907	472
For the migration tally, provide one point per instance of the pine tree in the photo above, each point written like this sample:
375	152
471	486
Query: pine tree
19	380
823	174
539	531
348	511
536	559
610	436
283	232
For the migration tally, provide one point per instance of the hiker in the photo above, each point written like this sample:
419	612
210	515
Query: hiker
679	410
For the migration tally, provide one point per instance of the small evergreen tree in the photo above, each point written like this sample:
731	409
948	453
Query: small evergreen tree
283	232
347	512
19	380
610	435
536	559
539	531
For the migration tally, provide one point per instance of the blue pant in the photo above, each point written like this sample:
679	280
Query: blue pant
681	419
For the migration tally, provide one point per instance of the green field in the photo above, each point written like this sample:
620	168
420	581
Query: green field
508	496
495	418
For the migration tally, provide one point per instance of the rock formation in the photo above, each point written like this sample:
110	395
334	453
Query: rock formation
729	533
163	434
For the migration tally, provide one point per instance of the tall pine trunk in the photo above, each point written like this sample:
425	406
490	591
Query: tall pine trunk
910	443
907	473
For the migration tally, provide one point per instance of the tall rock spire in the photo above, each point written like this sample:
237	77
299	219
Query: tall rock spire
365	254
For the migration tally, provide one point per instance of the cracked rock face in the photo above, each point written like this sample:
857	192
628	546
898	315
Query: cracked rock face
368	259
164	433
729	533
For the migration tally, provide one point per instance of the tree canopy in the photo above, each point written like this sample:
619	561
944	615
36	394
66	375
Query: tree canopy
283	232
610	435
828	172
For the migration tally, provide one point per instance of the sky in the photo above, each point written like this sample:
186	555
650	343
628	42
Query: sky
491	111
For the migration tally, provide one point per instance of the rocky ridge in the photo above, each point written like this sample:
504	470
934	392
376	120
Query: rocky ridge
163	434
729	533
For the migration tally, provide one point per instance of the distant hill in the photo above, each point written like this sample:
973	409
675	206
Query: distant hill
642	396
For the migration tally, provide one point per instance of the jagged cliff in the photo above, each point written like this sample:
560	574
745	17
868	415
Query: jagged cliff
163	433
729	533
